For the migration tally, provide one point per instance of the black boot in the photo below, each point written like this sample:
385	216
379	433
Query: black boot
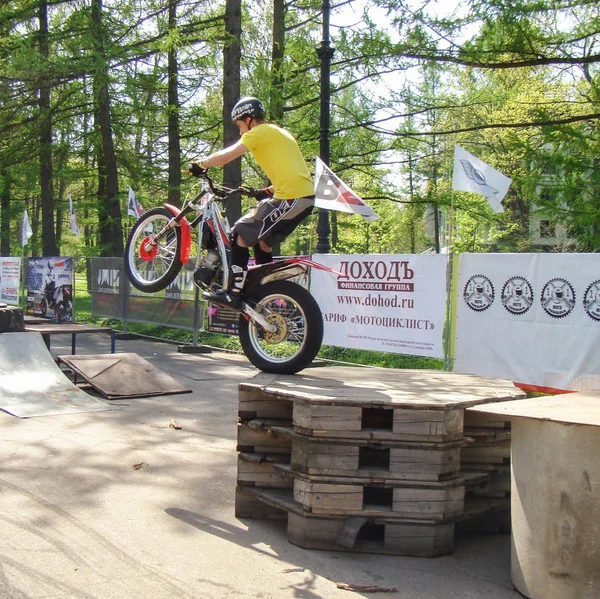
231	297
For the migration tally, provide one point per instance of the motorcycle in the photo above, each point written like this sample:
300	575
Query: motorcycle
280	325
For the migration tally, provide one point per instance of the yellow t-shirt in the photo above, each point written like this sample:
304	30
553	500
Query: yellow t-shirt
278	154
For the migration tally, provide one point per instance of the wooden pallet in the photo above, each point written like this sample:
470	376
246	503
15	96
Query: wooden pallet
377	423
359	534
353	497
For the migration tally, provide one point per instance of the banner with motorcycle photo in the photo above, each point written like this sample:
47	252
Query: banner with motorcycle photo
50	288
389	303
531	318
10	280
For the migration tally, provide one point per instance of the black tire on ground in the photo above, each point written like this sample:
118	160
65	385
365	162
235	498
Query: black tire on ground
302	341
11	319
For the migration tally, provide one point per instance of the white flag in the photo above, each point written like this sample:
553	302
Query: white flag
26	231
475	175
134	208
72	220
332	193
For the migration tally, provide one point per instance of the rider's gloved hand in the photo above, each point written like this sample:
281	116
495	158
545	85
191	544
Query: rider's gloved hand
196	169
260	194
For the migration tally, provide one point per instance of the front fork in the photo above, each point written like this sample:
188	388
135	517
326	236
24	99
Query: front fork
186	233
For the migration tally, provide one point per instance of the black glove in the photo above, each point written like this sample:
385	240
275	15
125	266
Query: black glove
196	170
260	194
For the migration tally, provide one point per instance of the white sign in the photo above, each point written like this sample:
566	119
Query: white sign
10	280
392	303
530	318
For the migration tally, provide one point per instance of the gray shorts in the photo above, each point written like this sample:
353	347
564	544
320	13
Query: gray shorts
272	220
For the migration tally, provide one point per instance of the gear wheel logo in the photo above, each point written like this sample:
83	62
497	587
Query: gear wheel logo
591	301
479	293
517	295
558	298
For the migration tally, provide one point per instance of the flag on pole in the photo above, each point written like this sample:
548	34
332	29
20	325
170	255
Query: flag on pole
475	175
26	231
134	208
72	219
332	193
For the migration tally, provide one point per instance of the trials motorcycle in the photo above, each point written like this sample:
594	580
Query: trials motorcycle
280	324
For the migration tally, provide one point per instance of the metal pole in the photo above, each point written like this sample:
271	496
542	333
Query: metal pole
325	53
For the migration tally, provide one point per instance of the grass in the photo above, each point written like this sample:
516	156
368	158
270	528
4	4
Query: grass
83	313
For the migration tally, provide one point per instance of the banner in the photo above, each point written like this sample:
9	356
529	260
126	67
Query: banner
73	219
475	175
50	288
332	193
530	318
10	280
134	208
391	303
26	230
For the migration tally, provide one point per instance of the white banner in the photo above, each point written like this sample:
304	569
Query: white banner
530	318
10	280
392	303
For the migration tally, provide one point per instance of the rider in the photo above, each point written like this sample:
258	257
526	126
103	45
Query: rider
283	204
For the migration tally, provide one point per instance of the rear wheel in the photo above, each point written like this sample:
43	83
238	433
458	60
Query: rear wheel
297	339
152	267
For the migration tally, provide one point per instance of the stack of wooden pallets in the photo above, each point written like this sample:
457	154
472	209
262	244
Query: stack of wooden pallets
357	470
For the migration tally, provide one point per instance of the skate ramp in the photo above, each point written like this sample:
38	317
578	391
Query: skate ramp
118	376
31	383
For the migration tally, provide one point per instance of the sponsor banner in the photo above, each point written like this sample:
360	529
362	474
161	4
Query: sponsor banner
114	297
50	288
391	303
223	320
530	318
10	280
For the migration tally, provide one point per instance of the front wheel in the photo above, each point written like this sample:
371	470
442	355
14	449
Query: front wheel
152	263
297	340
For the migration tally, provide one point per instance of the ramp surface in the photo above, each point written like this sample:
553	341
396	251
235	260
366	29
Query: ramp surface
123	375
31	384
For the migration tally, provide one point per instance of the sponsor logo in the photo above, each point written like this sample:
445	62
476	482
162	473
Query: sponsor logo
591	301
558	298
479	293
517	295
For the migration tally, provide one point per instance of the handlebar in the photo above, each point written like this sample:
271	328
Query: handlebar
220	190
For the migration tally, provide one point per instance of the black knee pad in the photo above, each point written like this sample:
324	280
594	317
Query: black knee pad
260	256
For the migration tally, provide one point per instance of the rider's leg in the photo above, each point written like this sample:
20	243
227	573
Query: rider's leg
263	253
232	295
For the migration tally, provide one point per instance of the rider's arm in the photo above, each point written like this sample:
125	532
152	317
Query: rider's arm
225	155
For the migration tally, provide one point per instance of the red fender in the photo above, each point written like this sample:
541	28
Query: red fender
186	234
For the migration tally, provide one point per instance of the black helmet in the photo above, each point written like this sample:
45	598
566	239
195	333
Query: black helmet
248	106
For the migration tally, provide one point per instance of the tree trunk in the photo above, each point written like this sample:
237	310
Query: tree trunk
5	213
232	172
47	196
109	207
173	112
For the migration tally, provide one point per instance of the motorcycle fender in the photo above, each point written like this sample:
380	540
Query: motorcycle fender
186	234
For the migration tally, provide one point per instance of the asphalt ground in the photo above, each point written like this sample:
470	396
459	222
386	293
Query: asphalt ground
119	504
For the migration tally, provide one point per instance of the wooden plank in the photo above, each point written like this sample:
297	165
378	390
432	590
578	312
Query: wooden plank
433	424
260	473
248	505
326	418
253	404
257	440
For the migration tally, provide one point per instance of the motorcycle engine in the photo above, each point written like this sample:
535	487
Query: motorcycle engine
207	268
